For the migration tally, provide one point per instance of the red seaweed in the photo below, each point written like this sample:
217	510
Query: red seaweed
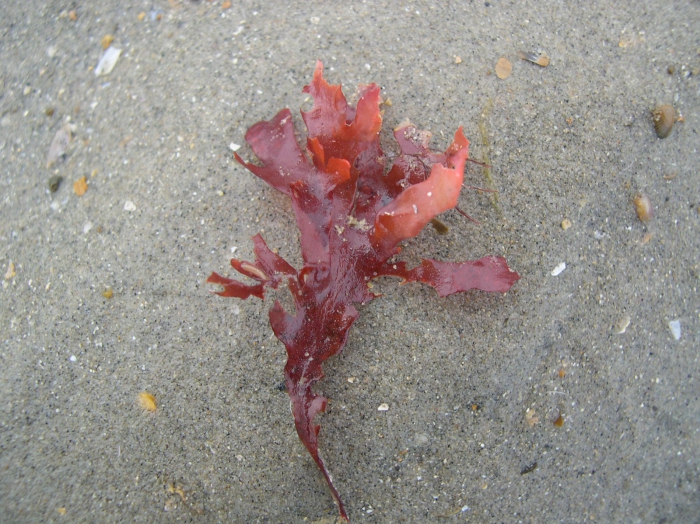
352	214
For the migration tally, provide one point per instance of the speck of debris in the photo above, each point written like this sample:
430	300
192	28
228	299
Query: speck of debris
529	468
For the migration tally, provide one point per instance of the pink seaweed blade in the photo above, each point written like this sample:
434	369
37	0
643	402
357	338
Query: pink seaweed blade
351	216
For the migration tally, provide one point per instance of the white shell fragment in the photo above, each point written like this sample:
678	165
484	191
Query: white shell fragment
383	407
108	61
557	270
233	146
58	146
675	327
622	324
129	206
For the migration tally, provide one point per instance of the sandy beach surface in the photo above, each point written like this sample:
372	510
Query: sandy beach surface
573	398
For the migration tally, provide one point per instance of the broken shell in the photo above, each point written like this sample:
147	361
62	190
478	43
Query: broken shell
59	144
664	116
541	60
108	61
642	204
148	401
80	186
622	324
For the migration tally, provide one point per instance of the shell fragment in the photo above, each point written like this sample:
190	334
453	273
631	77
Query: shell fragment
108	61
557	270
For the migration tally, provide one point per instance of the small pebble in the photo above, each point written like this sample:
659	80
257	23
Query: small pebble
72	358
383	407
107	41
565	224
55	183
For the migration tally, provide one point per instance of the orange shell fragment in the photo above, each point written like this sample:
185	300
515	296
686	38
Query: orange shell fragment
147	401
503	68
80	186
541	60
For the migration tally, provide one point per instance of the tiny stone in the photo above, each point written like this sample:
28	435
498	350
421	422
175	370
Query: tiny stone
55	183
129	206
72	358
107	41
565	224
383	407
